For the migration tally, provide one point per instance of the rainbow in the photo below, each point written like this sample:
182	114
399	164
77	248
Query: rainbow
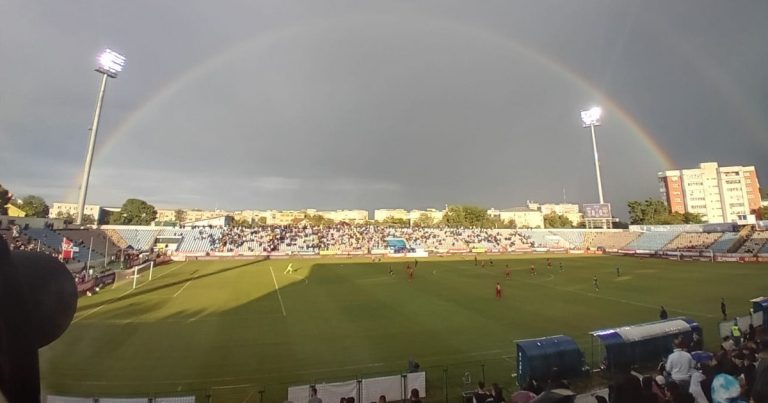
194	73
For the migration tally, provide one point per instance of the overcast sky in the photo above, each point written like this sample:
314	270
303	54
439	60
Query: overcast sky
385	104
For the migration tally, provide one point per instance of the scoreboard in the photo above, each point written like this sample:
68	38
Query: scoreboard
597	210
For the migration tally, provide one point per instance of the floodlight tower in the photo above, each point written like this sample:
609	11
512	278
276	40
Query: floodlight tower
591	118
109	64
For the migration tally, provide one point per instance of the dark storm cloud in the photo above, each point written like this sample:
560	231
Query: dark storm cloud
388	104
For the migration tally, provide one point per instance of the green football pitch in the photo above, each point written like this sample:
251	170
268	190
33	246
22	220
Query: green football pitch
232	328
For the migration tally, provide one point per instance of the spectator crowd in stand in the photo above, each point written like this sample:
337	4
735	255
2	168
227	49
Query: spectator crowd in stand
343	237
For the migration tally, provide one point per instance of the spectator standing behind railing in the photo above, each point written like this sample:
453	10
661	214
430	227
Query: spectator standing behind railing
313	396
680	365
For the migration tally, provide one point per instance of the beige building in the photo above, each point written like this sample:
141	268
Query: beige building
284	217
249	215
570	211
350	216
523	216
383	214
165	215
719	194
434	214
59	210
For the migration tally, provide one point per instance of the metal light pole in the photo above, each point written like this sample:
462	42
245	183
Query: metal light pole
591	118
110	63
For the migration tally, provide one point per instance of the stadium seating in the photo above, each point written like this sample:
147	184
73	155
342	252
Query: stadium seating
53	240
609	239
693	240
574	238
100	241
724	242
304	238
755	243
139	239
652	240
116	238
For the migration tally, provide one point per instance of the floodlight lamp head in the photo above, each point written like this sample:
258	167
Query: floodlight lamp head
592	116
110	63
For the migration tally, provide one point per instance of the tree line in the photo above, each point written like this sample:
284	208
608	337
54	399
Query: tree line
138	212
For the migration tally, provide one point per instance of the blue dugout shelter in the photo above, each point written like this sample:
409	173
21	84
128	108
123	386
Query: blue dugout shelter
761	305
650	342
548	357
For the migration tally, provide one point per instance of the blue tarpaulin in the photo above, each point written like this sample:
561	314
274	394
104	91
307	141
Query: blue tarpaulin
548	357
642	343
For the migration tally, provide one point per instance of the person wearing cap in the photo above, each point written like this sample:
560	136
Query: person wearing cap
680	365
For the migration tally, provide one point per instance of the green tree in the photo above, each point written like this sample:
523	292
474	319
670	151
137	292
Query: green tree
5	198
243	222
424	220
554	220
67	217
466	216
88	219
262	220
655	211
318	220
692	218
762	212
650	211
497	222
32	206
180	215
134	212
395	222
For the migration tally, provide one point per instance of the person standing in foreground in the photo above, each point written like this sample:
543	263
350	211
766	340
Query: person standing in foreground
723	309
313	396
595	283
498	290
680	365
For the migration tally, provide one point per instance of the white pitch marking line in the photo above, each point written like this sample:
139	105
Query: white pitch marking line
166	272
278	290
125	293
182	289
103	305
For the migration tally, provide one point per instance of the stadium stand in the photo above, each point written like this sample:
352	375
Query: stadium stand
116	238
693	240
652	240
82	238
343	238
52	240
724	242
545	239
139	239
576	239
755	243
609	239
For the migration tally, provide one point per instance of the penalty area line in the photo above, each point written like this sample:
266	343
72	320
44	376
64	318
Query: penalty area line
182	289
125	293
278	290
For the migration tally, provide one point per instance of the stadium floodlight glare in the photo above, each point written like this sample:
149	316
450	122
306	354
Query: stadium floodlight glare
591	118
110	63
